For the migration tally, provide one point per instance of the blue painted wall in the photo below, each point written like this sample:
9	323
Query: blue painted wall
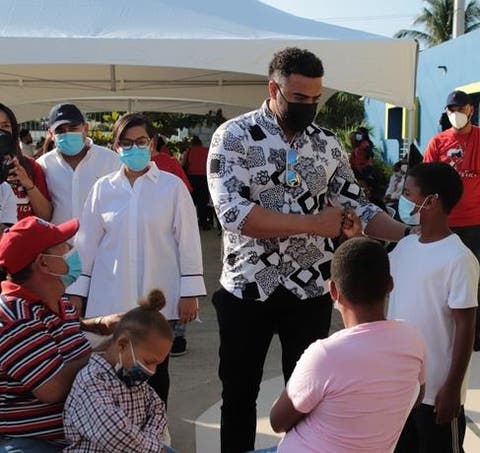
461	56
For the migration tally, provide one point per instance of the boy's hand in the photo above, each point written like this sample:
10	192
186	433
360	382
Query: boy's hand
351	225
447	404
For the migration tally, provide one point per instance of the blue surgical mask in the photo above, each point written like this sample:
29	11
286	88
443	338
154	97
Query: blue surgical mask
136	374
74	263
405	209
135	158
70	143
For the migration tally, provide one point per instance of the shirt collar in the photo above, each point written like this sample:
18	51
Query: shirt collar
153	173
12	289
270	117
101	363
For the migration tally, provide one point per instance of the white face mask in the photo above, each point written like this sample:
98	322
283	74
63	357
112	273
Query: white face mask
404	168
457	119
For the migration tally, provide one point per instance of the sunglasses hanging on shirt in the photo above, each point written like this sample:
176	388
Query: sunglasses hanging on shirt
292	177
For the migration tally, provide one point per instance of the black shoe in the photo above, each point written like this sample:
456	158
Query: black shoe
179	347
476	344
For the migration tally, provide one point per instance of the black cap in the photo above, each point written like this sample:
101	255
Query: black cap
458	98
64	114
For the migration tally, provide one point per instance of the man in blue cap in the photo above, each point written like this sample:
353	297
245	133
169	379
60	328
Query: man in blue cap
75	163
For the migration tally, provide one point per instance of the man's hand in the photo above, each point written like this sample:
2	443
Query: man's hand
187	309
447	404
329	222
351	226
108	323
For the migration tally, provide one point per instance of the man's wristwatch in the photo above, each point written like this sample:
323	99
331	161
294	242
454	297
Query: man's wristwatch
98	322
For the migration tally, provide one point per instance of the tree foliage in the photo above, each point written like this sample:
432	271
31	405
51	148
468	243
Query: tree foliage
436	19
343	111
167	124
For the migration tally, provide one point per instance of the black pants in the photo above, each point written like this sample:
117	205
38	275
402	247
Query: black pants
422	435
470	236
160	381
200	197
246	330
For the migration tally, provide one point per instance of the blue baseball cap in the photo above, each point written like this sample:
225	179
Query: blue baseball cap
458	98
64	114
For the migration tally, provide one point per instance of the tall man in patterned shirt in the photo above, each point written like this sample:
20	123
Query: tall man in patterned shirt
41	345
280	185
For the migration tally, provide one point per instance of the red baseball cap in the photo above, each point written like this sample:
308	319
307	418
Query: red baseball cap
23	242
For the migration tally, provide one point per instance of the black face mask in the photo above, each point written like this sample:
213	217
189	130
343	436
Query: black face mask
297	116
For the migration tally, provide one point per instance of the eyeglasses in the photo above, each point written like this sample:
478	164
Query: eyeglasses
141	142
293	178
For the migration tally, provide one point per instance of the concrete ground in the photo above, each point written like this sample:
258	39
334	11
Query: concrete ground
195	390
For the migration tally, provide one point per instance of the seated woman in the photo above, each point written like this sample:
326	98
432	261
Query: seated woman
111	407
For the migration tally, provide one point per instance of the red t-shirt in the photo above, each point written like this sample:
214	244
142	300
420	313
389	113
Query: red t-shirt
171	165
462	152
196	161
360	157
24	208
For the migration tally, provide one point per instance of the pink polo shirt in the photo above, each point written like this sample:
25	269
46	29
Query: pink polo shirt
356	388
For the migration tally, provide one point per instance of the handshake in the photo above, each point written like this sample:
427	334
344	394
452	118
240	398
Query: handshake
334	222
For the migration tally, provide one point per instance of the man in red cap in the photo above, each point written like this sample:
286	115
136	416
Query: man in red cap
459	147
41	345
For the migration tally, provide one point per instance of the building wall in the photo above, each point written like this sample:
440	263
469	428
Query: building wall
461	58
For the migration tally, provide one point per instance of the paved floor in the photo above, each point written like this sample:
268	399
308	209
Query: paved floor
194	401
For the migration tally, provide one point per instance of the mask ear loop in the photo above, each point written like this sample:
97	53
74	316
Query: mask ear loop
434	195
131	350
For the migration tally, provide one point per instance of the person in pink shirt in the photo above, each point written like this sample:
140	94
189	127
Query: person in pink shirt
352	392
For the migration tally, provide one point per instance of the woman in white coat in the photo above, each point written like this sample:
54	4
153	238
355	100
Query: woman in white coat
139	232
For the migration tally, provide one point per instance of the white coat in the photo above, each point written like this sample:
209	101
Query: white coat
135	239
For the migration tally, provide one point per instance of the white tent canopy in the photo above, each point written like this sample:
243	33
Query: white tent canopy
179	55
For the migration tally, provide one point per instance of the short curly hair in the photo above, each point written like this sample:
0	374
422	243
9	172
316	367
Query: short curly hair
361	271
293	60
438	178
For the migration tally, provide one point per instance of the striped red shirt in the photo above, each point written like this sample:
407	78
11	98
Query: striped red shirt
35	344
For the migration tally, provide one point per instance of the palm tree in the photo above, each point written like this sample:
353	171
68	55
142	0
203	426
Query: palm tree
437	20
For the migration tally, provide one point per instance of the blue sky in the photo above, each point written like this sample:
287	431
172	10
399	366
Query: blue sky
383	17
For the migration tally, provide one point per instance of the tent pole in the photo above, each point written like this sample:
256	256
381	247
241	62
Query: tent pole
411	127
412	111
113	78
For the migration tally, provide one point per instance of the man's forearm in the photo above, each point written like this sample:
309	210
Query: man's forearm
93	325
462	345
265	223
383	227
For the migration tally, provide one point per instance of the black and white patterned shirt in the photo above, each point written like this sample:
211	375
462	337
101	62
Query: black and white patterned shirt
103	415
246	166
